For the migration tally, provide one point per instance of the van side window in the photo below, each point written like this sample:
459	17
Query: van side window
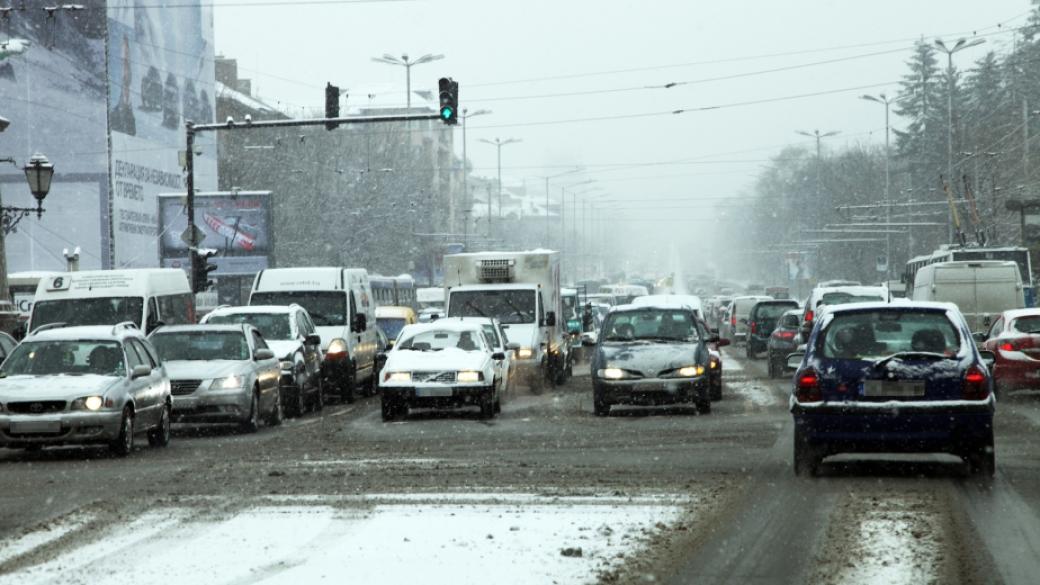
153	315
175	309
353	308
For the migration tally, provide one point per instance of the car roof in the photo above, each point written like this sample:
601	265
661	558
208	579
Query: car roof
94	332
1017	313
895	304
446	324
663	305
282	309
237	327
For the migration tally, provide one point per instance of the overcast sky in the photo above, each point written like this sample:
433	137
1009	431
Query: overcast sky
500	51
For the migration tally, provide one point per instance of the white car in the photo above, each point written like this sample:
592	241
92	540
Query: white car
84	385
496	336
448	363
221	373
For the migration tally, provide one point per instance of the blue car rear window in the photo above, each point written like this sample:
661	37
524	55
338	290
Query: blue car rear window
871	335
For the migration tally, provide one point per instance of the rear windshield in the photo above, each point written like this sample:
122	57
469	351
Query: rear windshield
1029	324
841	298
790	321
772	310
875	334
201	345
391	327
271	325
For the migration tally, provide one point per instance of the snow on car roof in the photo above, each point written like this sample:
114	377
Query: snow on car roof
853	290
99	332
446	324
894	304
691	301
253	309
1016	313
643	307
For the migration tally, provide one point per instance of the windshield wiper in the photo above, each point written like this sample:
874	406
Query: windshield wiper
516	309
475	308
911	354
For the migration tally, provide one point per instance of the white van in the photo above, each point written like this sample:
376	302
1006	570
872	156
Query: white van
340	302
148	297
981	289
736	328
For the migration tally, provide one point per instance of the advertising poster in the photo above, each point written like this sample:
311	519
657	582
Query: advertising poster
160	75
53	91
236	224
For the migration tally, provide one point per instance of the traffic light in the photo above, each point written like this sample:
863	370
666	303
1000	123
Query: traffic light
331	105
200	269
449	92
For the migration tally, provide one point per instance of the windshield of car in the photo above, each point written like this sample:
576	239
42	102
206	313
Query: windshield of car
327	309
271	325
875	334
99	311
201	345
1030	324
842	298
390	326
510	307
50	358
439	339
651	324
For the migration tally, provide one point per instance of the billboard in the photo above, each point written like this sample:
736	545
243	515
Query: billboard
237	224
160	63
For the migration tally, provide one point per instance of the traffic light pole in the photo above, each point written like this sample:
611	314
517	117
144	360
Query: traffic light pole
192	129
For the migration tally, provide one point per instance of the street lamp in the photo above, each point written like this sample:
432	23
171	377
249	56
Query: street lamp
39	172
466	114
407	64
498	143
818	135
563	174
960	45
884	100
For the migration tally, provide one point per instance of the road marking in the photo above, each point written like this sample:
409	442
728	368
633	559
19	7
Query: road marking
342	412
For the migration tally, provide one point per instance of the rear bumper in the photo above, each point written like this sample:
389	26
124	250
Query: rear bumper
1015	374
653	391
69	428
436	396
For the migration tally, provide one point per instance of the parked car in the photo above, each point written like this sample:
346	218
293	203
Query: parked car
652	355
761	322
292	336
735	326
884	377
84	385
221	374
447	363
391	320
1014	338
783	341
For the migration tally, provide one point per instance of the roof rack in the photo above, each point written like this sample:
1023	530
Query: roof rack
49	326
123	325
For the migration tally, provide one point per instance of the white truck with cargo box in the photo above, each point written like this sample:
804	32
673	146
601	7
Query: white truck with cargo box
150	297
981	289
340	303
522	291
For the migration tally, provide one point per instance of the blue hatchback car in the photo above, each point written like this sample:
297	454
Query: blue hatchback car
892	377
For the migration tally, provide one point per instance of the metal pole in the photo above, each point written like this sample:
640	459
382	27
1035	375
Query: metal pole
888	201
5	289
498	146
547	213
1025	143
189	168
949	133
408	83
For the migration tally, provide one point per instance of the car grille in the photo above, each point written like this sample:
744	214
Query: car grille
433	377
36	407
182	387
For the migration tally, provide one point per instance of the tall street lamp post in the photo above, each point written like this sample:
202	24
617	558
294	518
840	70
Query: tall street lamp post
466	114
564	174
884	100
38	172
498	143
407	63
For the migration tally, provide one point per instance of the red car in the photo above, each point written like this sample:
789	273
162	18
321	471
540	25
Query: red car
1015	339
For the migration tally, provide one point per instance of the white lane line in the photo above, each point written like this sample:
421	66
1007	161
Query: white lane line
342	412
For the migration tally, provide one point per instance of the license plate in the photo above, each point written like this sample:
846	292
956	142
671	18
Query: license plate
433	392
36	426
893	389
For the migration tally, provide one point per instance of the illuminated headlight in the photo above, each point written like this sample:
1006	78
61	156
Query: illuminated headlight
398	377
613	373
690	371
470	377
713	364
337	349
525	353
286	365
88	403
229	383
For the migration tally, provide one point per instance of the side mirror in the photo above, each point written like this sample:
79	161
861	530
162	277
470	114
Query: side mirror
381	358
979	336
794	361
550	319
988	358
140	372
498	356
360	323
263	354
512	346
312	339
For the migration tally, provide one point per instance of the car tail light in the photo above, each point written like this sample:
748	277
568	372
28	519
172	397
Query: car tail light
1017	344
754	327
784	335
809	316
733	321
807	386
976	385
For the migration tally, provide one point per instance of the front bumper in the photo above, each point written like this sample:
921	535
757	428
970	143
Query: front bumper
60	428
653	391
436	396
213	406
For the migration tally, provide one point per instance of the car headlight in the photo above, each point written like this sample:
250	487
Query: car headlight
690	371
229	383
525	353
88	403
337	349
713	364
613	374
469	377
286	365
397	377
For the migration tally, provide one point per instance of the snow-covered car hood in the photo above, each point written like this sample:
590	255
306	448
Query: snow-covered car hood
199	370
18	388
449	359
283	348
526	334
650	358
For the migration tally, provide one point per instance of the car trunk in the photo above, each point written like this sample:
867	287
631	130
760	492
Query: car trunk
909	380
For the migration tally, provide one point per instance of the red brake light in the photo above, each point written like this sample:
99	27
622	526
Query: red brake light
1017	344
754	327
1006	346
975	384
785	335
809	316
733	321
807	387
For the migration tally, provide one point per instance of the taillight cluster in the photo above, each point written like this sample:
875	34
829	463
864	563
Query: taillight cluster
784	335
809	316
754	327
976	384
1017	344
807	386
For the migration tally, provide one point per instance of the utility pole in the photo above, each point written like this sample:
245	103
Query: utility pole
407	64
883	99
819	154
498	143
465	160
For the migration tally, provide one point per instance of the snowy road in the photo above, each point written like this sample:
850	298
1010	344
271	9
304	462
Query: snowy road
545	493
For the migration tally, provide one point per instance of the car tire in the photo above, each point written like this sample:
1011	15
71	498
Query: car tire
487	406
347	389
317	403
392	410
600	406
806	457
982	459
123	445
715	392
160	435
252	423
277	414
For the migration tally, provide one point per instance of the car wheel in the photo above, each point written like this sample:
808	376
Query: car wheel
716	388
982	459
487	406
806	457
346	389
124	443
160	435
317	402
252	423
600	406
277	415
391	409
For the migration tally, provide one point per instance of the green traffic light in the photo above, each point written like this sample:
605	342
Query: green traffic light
447	113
